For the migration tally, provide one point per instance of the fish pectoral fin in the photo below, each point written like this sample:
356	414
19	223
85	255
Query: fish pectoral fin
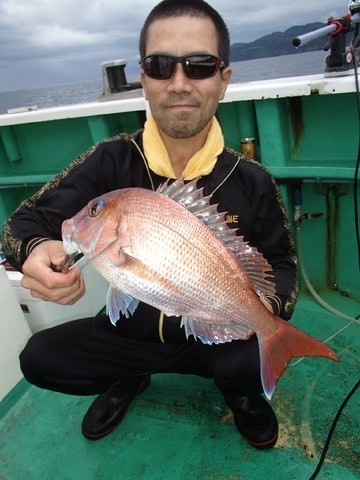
147	274
118	301
210	333
137	267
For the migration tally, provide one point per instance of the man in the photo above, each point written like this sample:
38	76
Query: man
184	49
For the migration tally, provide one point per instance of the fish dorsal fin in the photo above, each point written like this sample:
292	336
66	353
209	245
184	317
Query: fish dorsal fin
255	265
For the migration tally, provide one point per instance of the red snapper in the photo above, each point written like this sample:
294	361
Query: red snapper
173	250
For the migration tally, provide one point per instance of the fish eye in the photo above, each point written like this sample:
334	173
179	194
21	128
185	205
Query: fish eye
95	208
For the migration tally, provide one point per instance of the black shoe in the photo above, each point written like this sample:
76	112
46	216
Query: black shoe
254	418
109	408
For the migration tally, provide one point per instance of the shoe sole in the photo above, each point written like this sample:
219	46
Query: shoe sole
263	445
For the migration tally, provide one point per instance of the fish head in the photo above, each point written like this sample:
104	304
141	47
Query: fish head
98	226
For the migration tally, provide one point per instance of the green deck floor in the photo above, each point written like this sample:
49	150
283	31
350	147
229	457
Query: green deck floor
180	429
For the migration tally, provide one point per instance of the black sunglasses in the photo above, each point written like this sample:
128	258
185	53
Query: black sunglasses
196	67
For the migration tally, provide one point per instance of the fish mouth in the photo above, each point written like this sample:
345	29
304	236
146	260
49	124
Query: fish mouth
70	246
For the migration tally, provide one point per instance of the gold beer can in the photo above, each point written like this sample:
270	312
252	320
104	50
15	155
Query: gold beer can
248	148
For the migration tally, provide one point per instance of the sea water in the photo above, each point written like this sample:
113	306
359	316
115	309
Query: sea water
308	63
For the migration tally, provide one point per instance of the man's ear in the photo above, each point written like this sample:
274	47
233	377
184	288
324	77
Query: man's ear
225	80
142	80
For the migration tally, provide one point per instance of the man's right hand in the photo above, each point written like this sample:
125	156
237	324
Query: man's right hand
43	282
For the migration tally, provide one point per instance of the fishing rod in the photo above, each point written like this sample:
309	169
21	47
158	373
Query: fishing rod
340	61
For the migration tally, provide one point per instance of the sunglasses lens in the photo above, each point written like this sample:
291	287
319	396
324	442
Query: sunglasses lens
201	66
160	67
196	67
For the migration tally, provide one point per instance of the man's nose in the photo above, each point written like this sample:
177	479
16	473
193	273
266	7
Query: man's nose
179	81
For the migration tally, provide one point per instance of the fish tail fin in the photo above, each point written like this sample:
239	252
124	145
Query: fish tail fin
284	344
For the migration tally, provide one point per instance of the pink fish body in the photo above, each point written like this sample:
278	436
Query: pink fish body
174	251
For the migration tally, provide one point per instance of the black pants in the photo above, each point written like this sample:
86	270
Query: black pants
85	357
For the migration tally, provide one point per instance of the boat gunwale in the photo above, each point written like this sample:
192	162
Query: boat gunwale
255	90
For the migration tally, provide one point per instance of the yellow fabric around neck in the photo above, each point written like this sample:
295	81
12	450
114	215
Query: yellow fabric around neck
200	164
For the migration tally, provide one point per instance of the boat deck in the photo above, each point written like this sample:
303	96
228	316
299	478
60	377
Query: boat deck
180	428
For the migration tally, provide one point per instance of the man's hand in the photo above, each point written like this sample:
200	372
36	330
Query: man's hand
43	282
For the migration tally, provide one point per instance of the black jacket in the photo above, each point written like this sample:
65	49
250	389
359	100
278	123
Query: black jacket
241	187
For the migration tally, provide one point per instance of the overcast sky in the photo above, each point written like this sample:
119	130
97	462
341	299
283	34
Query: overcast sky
49	42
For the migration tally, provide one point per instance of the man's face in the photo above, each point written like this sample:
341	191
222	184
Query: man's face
181	107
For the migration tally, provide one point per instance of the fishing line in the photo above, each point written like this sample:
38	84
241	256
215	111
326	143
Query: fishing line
356	175
357	232
150	372
332	429
145	163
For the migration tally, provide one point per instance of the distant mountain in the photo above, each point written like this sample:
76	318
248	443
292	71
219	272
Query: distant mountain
278	43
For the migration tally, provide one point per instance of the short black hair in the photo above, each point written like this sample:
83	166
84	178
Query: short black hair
193	8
